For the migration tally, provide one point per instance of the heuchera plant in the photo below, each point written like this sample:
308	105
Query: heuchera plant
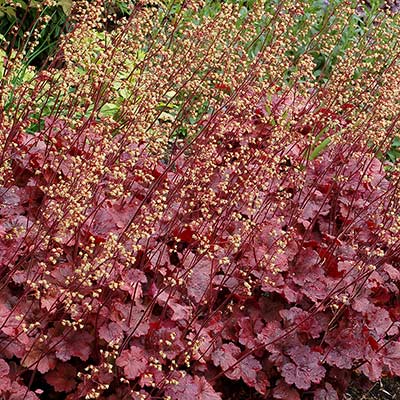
246	245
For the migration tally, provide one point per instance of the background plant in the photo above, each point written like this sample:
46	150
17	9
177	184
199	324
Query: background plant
188	211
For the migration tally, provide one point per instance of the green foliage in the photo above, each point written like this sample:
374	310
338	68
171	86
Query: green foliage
394	153
21	21
320	148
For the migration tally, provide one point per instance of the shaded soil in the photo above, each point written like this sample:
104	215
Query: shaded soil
387	389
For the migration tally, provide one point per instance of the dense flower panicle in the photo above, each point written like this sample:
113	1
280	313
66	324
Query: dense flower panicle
187	203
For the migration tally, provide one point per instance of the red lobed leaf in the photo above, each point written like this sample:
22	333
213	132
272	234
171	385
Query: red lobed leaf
5	382
200	280
111	332
133	361
37	358
305	368
21	392
392	357
62	378
77	344
225	356
191	388
326	393
284	392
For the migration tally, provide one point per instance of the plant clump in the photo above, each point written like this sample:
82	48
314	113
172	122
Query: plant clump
205	197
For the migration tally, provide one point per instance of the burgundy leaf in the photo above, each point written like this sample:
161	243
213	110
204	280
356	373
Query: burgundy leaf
200	280
38	359
347	346
133	361
249	367
284	392
313	325
77	344
392	357
327	393
226	356
21	392
62	378
305	368
262	383
190	388
111	332
5	382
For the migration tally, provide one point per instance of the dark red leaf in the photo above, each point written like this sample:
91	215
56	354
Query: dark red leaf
62	378
305	369
190	388
133	361
226	356
392	357
284	392
199	282
5	382
326	393
77	344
